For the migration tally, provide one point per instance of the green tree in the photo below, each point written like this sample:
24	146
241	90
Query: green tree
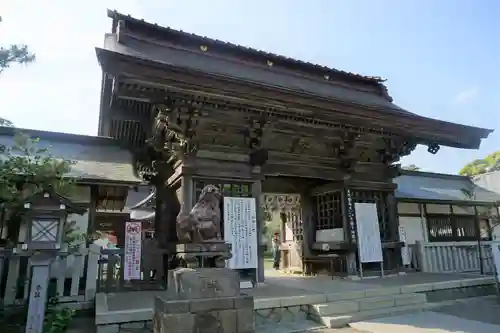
16	53
480	166
25	170
411	167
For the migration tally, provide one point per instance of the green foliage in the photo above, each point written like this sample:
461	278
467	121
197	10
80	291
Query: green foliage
480	166
72	237
57	320
16	53
411	167
13	318
25	170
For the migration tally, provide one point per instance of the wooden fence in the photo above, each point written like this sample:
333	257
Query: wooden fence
453	257
111	277
73	275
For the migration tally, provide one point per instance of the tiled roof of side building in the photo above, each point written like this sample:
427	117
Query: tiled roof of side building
426	186
489	180
96	159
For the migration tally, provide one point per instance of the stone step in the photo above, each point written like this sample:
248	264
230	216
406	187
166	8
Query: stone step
343	320
366	304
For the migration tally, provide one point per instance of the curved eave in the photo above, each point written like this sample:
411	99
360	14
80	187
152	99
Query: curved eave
144	201
436	131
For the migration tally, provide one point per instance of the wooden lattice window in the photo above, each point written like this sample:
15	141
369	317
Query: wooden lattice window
446	228
294	218
329	211
440	228
465	227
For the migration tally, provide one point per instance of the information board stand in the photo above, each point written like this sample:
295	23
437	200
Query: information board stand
368	236
240	230
132	252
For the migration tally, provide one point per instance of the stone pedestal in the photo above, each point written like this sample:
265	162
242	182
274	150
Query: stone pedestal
203	255
204	300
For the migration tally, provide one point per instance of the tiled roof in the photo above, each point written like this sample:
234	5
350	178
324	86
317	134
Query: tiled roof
440	187
248	50
95	158
490	181
136	48
140	203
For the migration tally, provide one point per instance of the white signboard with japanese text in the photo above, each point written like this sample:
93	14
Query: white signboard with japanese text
495	250
240	230
369	244
405	250
132	267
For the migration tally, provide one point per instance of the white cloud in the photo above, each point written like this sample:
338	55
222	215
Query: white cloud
466	96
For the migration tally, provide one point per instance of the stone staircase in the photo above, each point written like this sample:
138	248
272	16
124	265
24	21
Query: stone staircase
342	312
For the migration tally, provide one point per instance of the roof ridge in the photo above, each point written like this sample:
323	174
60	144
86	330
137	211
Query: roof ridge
363	78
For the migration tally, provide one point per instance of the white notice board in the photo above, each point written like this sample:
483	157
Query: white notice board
495	250
369	244
240	230
405	250
132	267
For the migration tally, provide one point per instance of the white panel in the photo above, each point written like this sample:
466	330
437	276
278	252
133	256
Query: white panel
437	209
330	235
240	230
288	231
413	227
405	250
369	244
408	208
463	210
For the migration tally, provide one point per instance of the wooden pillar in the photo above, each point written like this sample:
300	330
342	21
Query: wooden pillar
396	257
349	234
256	193
308	224
187	193
94	194
479	246
392	207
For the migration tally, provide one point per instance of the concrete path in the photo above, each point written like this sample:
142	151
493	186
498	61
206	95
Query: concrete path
425	322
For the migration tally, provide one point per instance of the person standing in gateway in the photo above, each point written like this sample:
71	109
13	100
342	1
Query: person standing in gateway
276	250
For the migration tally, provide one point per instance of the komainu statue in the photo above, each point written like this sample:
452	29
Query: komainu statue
202	224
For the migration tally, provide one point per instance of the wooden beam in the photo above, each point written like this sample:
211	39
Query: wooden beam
186	81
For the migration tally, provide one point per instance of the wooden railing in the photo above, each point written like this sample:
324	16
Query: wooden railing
73	275
111	272
453	257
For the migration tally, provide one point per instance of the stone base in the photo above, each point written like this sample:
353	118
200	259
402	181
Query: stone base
203	300
208	315
207	254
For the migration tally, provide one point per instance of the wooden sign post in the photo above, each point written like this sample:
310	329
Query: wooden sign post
40	264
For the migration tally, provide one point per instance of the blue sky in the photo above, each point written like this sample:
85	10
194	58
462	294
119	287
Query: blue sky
440	58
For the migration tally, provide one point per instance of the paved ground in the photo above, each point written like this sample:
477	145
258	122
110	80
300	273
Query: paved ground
486	310
472	316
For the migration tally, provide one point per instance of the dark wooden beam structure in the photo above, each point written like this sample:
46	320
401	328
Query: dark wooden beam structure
197	110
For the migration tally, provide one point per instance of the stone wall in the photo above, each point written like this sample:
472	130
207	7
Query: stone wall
217	315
